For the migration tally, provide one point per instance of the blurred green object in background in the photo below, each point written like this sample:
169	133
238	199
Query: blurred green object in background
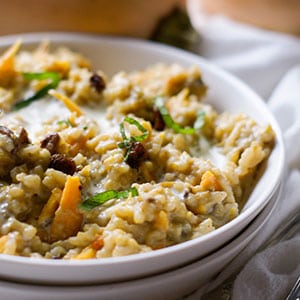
176	30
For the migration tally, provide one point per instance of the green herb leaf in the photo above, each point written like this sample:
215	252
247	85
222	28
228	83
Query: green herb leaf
159	103
138	138
53	76
67	122
127	142
130	143
122	130
200	121
103	197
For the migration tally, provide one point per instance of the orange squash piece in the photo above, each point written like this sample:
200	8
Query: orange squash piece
67	219
210	182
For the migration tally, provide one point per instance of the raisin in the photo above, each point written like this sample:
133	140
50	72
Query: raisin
5	131
61	163
158	122
186	194
23	137
151	200
19	141
97	82
136	154
50	142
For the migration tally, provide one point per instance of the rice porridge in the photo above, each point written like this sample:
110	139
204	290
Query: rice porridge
95	167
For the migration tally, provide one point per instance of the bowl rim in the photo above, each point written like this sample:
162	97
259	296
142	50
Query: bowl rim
69	37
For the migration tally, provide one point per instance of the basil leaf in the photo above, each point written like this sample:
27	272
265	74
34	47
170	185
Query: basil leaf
103	197
135	151
159	103
53	76
122	130
67	122
127	142
138	138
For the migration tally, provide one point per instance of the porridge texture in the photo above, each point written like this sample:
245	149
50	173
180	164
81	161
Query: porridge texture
93	166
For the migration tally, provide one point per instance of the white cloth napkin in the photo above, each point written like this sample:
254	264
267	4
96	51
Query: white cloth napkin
269	62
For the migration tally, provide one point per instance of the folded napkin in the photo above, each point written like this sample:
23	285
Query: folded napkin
268	62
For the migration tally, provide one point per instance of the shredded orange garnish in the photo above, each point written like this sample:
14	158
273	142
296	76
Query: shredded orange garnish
66	101
7	64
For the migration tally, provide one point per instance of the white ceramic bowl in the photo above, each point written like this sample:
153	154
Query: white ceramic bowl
169	285
225	93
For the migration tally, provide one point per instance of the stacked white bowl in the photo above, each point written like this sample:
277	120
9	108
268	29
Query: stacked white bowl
169	273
